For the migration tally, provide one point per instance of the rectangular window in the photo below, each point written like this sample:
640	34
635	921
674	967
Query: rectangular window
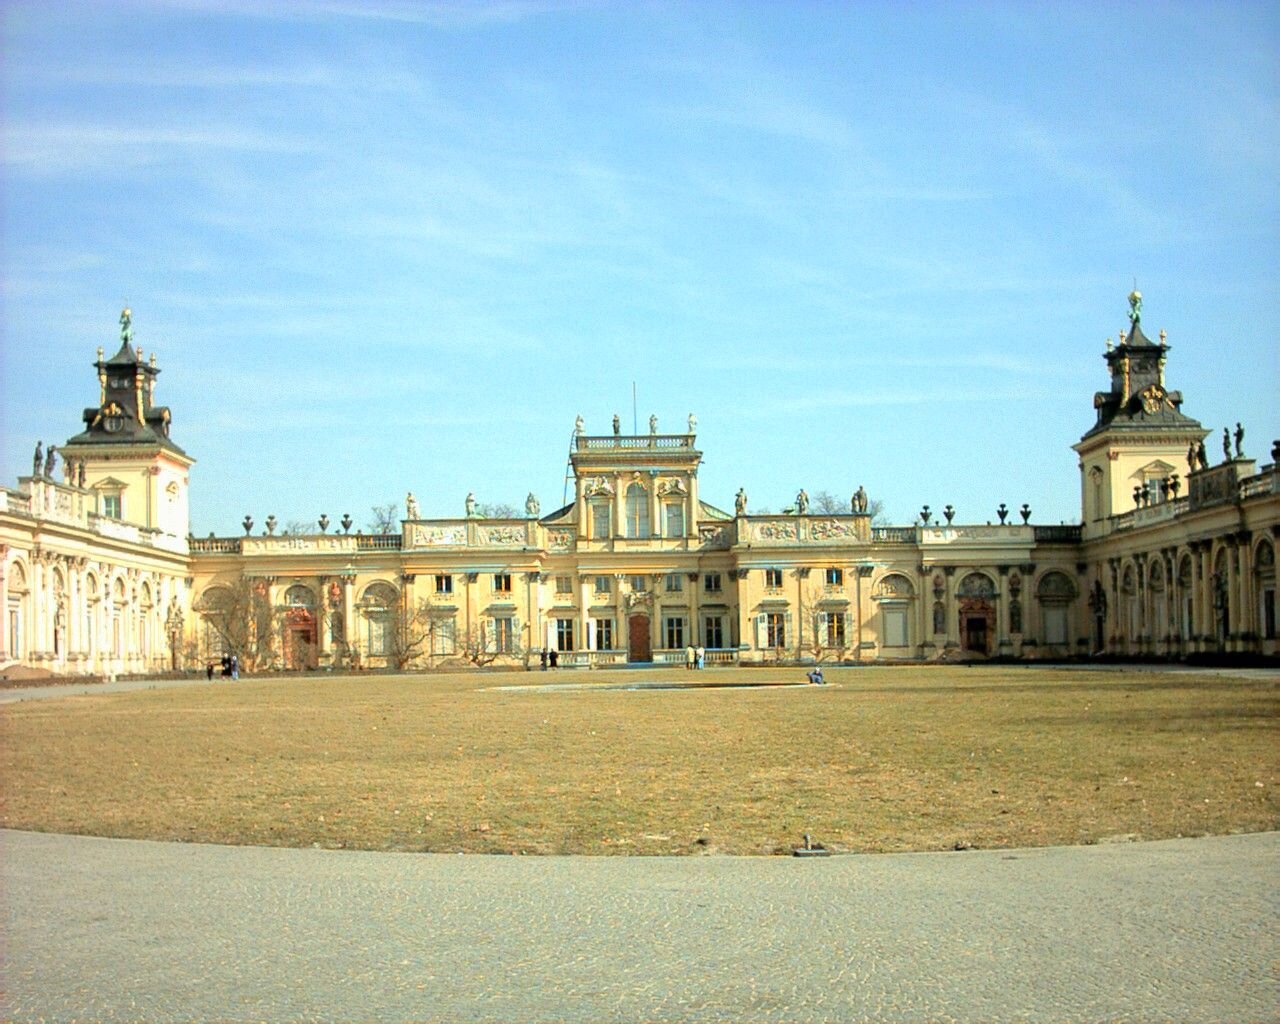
378	637
675	631
444	584
835	629
604	634
773	578
600	520
639	584
674	583
895	626
775	628
564	584
443	635
111	506
564	634
604	585
835	577
504	635
714	631
502	582
711	581
675	519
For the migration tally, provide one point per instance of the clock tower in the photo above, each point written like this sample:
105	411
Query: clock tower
125	455
1136	453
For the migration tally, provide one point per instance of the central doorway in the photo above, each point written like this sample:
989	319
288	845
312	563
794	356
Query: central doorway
638	646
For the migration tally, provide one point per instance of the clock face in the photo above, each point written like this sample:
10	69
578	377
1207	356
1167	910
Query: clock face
112	424
119	382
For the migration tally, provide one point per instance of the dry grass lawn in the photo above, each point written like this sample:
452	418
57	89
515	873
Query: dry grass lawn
883	759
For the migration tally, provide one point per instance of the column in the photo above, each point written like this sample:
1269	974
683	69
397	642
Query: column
1004	645
691	519
4	602
584	617
1248	617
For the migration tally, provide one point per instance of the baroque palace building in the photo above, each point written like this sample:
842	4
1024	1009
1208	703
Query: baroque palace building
1174	557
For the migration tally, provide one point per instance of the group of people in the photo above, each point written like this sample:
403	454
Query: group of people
230	668
550	658
695	657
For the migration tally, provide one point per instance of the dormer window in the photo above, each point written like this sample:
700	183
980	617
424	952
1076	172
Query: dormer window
111	506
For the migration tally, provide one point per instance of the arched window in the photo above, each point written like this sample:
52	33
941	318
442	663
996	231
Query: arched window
976	584
377	607
894	594
637	511
1264	568
1055	593
299	596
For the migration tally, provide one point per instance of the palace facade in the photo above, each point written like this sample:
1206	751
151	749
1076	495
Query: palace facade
1173	557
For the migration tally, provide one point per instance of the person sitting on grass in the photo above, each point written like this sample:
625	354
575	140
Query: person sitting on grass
815	676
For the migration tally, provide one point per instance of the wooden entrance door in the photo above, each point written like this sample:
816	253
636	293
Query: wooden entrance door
977	623
975	633
638	645
300	639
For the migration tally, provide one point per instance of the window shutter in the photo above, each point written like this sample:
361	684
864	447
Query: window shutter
823	620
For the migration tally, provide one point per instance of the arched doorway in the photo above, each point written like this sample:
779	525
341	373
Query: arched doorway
639	647
976	595
299	628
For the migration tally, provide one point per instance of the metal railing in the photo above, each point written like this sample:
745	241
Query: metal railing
378	542
893	534
585	443
1059	534
215	545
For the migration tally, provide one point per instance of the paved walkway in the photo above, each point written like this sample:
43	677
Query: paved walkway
113	930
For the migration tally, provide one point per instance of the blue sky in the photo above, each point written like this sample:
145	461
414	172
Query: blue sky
385	246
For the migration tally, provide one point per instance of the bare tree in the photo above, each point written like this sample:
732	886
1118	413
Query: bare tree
244	618
481	647
385	518
498	510
412	634
297	526
827	504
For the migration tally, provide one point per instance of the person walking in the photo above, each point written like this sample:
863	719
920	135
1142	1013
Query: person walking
689	655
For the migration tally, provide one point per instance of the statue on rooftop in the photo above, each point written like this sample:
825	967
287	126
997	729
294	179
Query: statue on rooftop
470	504
653	424
617	425
802	502
531	506
1239	441
411	507
1226	444
1202	455
126	326
1191	457
740	502
80	474
37	463
1135	307
693	423
859	501
50	461
579	425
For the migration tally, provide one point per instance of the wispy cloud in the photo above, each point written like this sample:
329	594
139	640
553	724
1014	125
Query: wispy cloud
451	14
53	148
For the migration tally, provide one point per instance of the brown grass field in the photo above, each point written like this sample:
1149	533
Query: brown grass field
883	759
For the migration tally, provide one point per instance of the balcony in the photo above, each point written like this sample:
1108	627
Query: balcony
635	442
